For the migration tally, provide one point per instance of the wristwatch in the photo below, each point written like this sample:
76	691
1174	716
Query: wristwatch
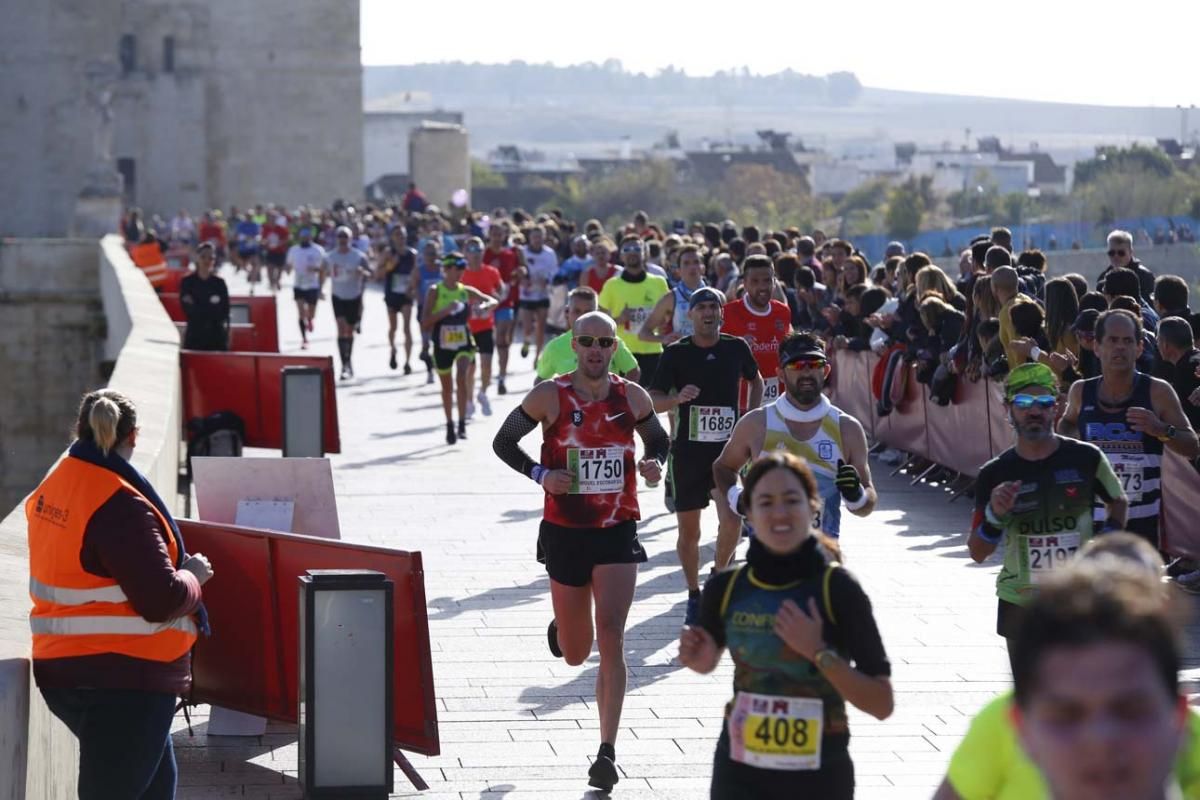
1169	434
825	658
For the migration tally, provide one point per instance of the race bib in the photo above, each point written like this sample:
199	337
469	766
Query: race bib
1130	471
596	470
478	311
776	732
637	316
770	390
1045	554
453	337
711	423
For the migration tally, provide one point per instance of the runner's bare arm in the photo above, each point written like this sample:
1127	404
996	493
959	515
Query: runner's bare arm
736	453
657	319
1167	411
487	302
414	282
757	387
854	440
1069	424
428	318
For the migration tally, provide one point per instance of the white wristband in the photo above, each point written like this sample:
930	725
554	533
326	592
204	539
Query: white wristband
733	495
857	504
1035	353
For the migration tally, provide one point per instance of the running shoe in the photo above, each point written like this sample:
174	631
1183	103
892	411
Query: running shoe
451	438
304	345
470	409
484	405
407	368
345	372
692	614
525	351
501	388
310	325
552	639
392	361
602	774
462	429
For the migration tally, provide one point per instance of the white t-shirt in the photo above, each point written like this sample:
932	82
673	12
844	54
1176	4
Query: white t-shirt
346	282
543	266
307	261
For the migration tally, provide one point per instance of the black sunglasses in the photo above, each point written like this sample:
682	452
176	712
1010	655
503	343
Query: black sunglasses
1112	253
604	342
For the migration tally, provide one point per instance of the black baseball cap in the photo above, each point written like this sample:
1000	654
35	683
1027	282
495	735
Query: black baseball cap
797	346
706	294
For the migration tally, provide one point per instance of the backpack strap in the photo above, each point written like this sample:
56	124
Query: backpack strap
729	588
825	593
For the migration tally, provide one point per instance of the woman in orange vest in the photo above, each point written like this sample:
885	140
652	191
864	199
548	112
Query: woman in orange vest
116	606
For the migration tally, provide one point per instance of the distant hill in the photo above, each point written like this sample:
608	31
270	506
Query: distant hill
590	107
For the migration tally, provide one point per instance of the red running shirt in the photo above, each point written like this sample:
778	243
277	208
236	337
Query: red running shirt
593	440
763	332
505	261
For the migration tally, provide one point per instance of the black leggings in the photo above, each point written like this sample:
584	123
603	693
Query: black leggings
734	781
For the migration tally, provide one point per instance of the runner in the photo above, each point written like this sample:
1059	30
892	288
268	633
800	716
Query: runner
541	265
275	248
486	279
989	764
698	379
804	422
601	268
588	537
444	314
804	641
1130	416
761	321
1039	493
507	260
673	308
246	235
349	270
559	357
629	298
308	260
396	269
427	274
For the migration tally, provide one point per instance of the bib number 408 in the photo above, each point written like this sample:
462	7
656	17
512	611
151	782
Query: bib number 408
780	732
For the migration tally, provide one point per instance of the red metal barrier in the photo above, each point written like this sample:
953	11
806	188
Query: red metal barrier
958	434
262	312
249	384
251	661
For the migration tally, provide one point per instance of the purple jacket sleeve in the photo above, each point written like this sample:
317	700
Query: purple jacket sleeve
124	540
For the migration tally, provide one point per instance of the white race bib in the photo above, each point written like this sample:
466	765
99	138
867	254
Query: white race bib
453	337
1130	472
775	732
636	317
711	423
770	390
1045	554
599	470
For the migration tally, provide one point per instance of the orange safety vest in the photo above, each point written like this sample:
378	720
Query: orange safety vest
76	613
149	258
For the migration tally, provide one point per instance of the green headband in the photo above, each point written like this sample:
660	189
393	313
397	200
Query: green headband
1029	375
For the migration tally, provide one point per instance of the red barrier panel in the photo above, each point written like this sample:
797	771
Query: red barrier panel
251	661
1180	499
852	387
249	384
262	313
905	426
958	434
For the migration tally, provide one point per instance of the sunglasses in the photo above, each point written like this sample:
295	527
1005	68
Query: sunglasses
474	249
632	249
604	342
806	363
1024	401
1121	253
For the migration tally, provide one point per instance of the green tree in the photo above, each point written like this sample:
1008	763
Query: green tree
484	177
1135	159
905	209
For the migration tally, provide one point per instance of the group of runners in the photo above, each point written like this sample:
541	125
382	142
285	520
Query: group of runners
751	428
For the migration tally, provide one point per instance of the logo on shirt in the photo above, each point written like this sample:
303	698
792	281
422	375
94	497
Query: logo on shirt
711	357
1062	476
825	451
577	417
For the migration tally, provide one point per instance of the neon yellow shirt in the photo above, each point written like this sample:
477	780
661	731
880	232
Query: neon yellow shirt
618	294
558	358
988	763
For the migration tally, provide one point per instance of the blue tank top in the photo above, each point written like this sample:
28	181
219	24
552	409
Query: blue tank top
428	279
680	323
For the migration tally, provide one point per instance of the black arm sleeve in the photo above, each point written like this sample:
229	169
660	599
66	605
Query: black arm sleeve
507	443
855	626
656	440
710	605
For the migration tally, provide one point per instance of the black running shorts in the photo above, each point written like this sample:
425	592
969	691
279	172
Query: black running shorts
309	296
692	478
485	341
570	553
349	310
397	302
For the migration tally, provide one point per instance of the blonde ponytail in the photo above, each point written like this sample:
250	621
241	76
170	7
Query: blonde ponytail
103	420
106	417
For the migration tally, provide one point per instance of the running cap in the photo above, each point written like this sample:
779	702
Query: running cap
706	294
800	346
344	230
894	249
455	259
1029	375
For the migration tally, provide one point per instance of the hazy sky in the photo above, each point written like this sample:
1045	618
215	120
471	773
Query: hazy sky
1145	53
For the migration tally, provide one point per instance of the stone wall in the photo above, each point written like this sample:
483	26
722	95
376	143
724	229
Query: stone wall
38	755
386	135
440	160
49	352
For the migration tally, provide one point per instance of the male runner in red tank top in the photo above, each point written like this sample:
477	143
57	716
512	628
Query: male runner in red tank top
588	537
762	322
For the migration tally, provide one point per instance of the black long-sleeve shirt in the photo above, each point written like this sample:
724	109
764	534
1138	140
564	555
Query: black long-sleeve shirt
205	303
